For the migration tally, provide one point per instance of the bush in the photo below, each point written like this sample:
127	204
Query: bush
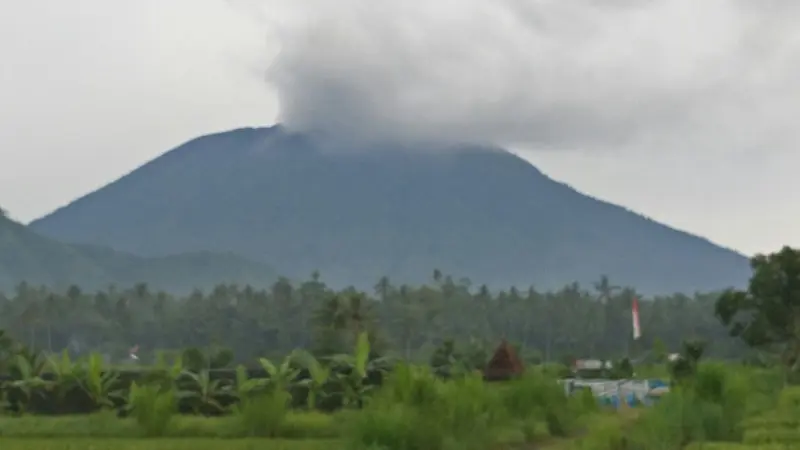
779	426
153	407
603	434
415	410
400	427
263	413
712	405
532	395
472	412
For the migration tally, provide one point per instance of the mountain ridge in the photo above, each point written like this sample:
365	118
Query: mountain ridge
274	196
28	257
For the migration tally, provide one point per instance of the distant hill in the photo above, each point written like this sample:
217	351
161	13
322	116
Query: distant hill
27	256
282	198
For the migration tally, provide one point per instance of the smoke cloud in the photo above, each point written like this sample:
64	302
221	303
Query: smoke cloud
543	74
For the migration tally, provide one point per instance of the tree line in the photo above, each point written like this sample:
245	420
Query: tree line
406	321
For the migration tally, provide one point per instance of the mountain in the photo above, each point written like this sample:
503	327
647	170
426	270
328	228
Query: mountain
27	256
290	200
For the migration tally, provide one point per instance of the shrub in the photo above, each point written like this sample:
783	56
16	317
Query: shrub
473	412
603	434
153	407
405	414
400	427
263	413
709	406
416	410
537	397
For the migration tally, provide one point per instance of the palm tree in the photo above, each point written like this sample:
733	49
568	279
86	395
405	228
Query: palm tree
382	288
605	289
437	275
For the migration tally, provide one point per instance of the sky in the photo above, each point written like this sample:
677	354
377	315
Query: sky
681	110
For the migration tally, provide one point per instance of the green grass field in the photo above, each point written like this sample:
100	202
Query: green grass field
166	444
738	409
298	425
79	433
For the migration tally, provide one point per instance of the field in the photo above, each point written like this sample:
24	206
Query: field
84	433
302	431
162	444
356	403
737	407
717	407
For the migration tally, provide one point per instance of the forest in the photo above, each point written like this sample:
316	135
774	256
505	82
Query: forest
305	367
405	321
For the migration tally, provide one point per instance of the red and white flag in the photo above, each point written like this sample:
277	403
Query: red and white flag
637	330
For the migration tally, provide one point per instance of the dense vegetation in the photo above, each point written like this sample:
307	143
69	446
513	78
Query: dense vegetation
403	320
288	201
27	256
380	402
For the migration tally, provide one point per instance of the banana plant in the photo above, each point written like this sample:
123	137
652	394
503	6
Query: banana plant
319	375
281	376
31	359
245	385
244	388
26	369
66	375
353	381
202	392
100	385
165	375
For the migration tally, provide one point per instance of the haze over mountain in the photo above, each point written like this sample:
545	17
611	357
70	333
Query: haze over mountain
27	256
292	201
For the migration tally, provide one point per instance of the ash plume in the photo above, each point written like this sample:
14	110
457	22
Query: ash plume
541	74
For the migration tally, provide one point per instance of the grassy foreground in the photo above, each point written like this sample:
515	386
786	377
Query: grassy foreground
297	425
719	407
165	444
735	446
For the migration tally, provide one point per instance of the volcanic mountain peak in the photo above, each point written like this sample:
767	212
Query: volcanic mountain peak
286	199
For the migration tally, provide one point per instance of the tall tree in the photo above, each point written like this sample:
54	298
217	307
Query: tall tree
767	314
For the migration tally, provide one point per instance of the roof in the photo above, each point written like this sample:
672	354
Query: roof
504	364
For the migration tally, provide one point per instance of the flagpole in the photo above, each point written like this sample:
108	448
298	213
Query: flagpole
635	324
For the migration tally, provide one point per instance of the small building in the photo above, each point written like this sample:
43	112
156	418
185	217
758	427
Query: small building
504	365
591	368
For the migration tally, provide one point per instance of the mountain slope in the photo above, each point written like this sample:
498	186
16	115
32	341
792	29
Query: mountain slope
279	197
27	256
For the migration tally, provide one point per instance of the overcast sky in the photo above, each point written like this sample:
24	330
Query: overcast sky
683	110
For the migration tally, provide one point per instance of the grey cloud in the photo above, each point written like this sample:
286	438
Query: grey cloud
574	74
98	89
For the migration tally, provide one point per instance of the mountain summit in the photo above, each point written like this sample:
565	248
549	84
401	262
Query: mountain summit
284	199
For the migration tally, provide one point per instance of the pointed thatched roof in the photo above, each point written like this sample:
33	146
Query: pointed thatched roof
504	364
